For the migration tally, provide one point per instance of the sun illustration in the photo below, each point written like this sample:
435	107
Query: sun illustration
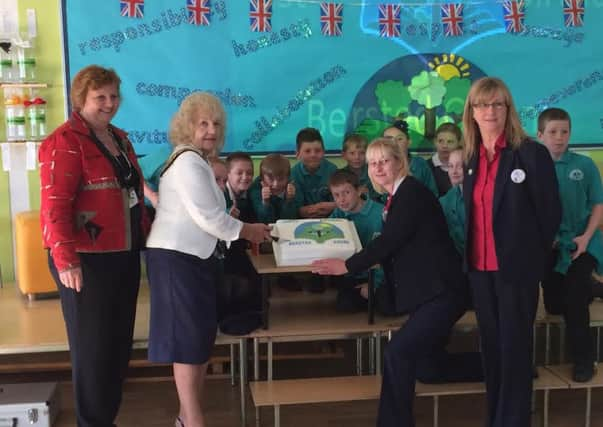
449	66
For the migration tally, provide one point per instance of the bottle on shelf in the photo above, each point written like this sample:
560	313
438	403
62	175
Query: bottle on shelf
7	61
36	118
26	60
14	114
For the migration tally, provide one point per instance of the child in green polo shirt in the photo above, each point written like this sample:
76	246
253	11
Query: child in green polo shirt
578	247
419	168
239	292
453	203
366	215
447	138
311	174
353	152
239	167
272	194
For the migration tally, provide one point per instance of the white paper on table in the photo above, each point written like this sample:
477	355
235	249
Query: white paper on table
5	148
30	156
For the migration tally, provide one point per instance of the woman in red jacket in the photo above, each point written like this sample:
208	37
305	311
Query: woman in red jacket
94	224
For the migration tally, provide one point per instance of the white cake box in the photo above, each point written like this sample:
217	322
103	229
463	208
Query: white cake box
302	241
33	404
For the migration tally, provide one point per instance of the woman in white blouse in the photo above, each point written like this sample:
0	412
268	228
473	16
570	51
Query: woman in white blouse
184	251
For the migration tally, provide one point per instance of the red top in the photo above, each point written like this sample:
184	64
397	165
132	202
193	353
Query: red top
482	254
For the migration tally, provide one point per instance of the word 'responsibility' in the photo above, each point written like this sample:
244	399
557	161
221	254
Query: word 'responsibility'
167	20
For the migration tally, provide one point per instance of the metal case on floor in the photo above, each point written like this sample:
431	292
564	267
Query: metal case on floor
28	404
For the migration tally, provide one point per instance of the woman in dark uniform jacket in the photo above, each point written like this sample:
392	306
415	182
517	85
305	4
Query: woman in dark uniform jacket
513	212
422	268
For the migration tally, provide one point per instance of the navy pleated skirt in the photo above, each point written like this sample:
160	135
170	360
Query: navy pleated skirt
183	306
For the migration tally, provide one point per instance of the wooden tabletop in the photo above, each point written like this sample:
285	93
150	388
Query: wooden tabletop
266	264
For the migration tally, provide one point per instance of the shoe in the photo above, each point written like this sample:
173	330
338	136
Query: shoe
178	422
584	371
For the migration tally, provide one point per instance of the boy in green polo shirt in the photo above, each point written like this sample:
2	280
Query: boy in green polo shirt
353	152
239	167
367	216
579	245
311	174
273	196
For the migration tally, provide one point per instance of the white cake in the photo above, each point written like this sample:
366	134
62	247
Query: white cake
301	241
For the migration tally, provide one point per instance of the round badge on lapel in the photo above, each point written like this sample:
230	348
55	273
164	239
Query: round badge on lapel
470	172
518	176
576	175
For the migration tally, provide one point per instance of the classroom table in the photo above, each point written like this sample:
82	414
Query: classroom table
265	265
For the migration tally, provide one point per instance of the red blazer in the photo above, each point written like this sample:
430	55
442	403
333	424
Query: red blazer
83	207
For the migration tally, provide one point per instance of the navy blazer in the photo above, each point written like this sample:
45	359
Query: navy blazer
414	248
526	213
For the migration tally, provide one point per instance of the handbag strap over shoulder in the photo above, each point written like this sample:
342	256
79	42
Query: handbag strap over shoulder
177	152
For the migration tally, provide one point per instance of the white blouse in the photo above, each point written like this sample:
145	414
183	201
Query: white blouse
191	212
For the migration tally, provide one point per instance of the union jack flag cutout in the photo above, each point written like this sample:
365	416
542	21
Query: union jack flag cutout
132	8
514	15
331	19
198	12
389	20
573	13
260	15
452	19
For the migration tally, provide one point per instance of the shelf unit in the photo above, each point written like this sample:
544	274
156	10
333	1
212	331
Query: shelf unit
16	85
25	87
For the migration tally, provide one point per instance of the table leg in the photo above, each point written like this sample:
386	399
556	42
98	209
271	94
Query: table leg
243	377
233	370
265	295
371	296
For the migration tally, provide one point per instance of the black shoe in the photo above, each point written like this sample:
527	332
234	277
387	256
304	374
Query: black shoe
584	371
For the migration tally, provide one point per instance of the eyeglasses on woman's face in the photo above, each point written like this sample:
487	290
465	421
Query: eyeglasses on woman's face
374	164
497	105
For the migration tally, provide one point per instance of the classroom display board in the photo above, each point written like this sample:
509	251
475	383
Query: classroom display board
351	66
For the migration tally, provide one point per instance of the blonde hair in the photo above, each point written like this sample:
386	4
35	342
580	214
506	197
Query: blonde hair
382	147
182	127
483	90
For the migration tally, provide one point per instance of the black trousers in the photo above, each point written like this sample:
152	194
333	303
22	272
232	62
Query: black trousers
100	325
421	336
570	295
505	315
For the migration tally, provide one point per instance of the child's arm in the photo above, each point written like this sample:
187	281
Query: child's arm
153	196
593	223
309	211
293	202
325	208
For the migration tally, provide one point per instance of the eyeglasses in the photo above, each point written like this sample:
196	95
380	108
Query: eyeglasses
378	163
485	105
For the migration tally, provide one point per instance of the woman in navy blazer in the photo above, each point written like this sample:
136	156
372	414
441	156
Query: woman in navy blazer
421	266
513	212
